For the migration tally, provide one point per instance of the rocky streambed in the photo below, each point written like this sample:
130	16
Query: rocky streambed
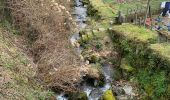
106	87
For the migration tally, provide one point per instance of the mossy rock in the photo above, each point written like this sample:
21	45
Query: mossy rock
135	33
162	50
102	10
78	96
108	95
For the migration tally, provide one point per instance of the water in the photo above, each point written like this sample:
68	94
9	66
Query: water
93	93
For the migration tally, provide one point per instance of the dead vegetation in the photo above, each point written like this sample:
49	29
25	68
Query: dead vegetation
48	24
17	72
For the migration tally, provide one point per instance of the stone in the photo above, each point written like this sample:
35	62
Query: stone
128	90
96	93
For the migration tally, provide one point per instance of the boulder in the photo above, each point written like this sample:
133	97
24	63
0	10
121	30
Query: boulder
128	90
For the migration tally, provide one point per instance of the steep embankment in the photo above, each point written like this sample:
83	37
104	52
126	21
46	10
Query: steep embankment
17	72
46	27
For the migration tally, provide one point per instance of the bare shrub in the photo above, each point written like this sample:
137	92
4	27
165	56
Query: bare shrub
51	50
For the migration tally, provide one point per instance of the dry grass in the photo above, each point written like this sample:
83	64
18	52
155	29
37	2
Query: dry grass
51	23
17	72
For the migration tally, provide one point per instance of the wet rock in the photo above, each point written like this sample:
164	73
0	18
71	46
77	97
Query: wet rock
96	94
77	45
118	90
87	62
108	95
78	96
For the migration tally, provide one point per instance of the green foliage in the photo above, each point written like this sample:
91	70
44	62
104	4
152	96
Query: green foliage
153	83
151	61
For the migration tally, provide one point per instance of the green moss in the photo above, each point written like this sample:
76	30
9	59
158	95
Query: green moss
135	33
162	50
108	95
99	8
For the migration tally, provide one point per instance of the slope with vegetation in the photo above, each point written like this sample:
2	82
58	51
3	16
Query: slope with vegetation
141	59
36	56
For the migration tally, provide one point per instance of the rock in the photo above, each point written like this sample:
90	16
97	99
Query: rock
128	90
118	90
108	95
96	94
107	39
78	96
87	62
77	45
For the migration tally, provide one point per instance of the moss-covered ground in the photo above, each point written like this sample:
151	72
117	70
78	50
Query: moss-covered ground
141	58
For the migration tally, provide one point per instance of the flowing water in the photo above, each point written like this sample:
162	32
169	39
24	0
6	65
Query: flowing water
93	93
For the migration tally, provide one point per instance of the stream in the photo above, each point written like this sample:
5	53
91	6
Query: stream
93	93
